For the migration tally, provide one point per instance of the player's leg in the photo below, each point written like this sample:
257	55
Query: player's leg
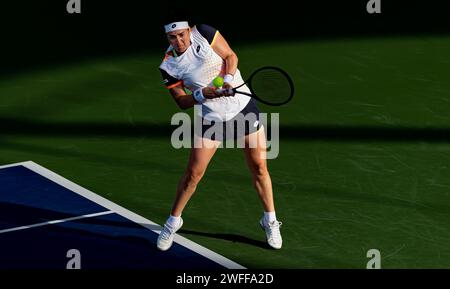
255	155
256	161
199	159
198	162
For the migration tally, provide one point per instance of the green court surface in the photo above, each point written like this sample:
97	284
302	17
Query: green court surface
364	154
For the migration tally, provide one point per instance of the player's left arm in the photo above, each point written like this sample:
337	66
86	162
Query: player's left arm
221	47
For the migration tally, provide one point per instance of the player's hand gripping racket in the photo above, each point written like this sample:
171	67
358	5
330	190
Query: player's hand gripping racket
269	85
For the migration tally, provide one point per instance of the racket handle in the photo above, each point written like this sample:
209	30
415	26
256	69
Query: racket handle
229	91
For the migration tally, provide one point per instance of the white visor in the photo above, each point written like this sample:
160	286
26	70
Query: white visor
176	26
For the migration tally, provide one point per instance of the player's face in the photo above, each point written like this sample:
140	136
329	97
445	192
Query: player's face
180	39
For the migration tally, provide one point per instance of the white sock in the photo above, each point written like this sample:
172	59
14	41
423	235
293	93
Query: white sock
173	221
269	217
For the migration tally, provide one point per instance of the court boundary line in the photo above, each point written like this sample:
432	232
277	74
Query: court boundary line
58	221
115	208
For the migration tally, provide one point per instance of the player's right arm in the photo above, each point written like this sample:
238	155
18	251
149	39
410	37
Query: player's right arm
185	100
180	96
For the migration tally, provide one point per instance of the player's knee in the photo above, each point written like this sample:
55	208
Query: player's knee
260	170
194	176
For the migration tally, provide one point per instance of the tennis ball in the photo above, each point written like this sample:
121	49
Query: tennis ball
218	81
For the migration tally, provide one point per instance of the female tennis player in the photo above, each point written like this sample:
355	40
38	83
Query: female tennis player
195	57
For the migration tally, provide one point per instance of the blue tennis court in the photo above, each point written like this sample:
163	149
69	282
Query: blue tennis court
47	221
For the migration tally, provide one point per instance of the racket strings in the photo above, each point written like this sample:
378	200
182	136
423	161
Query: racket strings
272	86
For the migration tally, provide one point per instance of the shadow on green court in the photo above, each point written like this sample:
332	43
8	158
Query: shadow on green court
56	95
109	160
23	127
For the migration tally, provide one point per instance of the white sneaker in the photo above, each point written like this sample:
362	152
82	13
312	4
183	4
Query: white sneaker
165	238
273	234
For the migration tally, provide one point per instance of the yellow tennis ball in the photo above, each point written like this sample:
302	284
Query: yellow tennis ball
218	81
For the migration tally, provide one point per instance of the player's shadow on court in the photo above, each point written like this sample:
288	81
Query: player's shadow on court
306	132
228	237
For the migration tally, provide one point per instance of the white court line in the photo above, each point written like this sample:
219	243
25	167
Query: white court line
55	222
205	252
13	165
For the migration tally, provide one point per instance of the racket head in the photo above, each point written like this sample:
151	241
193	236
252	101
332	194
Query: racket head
271	85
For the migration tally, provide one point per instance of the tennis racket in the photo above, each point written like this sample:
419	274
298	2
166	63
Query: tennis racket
269	85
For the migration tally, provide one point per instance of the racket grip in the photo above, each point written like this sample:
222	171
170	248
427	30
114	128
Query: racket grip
228	91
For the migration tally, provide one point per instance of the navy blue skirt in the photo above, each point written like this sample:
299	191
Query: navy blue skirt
244	123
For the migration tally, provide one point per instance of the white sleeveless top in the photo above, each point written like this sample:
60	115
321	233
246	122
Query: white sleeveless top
197	67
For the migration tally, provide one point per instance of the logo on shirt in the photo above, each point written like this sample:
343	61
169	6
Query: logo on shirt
198	48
